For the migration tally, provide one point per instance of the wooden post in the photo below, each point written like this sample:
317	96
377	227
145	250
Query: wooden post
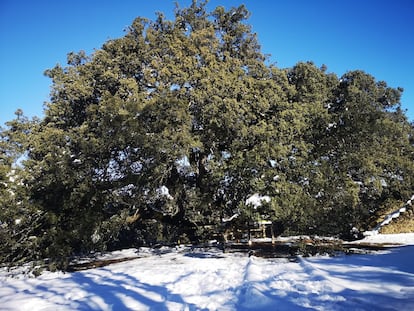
249	235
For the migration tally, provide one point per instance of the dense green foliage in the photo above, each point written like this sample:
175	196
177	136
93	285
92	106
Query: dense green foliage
161	135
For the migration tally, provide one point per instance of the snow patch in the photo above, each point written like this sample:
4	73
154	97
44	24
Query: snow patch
228	219
257	199
397	238
163	191
388	219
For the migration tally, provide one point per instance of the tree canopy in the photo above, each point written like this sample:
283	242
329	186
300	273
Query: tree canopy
164	134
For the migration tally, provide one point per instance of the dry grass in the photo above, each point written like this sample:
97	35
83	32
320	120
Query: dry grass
404	224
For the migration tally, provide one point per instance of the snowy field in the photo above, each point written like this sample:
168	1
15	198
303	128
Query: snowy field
185	279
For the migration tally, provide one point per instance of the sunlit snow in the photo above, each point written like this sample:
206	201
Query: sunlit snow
257	199
207	279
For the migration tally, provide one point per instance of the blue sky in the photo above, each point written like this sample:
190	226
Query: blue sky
371	35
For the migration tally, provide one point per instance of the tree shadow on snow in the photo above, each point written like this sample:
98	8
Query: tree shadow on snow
383	281
203	255
120	291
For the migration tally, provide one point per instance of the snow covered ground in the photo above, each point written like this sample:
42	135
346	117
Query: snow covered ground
185	279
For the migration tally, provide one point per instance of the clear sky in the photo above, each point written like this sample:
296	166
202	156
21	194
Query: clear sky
376	36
